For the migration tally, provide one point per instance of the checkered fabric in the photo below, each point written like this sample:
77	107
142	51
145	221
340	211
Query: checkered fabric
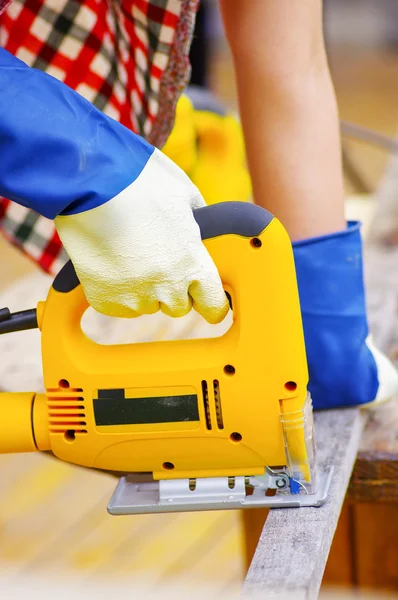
128	57
4	4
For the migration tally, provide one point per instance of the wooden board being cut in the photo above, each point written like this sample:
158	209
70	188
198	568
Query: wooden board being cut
294	545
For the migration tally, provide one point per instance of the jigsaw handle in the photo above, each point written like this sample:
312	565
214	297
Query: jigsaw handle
238	218
254	257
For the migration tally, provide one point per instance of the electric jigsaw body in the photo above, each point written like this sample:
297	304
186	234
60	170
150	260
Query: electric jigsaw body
192	424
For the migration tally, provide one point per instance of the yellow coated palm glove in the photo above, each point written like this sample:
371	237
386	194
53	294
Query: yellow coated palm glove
141	251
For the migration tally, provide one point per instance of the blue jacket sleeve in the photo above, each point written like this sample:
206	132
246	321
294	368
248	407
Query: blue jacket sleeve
58	153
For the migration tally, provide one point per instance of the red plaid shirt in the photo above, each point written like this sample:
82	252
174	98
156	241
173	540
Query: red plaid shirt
128	57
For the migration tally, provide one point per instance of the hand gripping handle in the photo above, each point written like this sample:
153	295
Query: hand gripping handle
238	218
253	255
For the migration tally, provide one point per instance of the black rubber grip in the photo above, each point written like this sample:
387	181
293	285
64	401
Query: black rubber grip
66	280
226	218
4	314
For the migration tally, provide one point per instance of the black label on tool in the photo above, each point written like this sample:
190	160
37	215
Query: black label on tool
113	408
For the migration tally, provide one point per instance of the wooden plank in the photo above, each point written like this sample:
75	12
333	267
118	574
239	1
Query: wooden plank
292	552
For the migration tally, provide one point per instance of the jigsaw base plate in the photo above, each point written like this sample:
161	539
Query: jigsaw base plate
133	496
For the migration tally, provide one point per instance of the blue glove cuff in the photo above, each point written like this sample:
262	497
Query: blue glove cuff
329	271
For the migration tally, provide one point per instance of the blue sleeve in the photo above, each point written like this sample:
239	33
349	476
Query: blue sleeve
58	153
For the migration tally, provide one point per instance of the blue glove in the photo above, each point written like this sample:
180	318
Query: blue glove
58	153
122	209
345	368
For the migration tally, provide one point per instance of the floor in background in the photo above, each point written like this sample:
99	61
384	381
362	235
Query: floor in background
53	520
54	524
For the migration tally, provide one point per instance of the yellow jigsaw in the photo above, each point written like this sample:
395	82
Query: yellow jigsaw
198	424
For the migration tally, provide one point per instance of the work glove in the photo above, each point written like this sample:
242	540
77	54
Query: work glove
122	209
141	251
345	368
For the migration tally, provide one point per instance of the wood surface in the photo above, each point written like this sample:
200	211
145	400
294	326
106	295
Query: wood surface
293	548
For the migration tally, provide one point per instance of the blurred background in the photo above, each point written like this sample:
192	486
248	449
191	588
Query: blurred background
362	43
55	534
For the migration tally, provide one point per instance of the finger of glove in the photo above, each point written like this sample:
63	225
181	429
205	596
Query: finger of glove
175	301
208	296
209	300
125	305
112	309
